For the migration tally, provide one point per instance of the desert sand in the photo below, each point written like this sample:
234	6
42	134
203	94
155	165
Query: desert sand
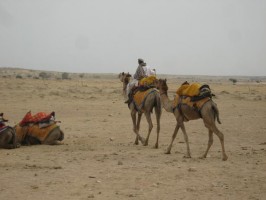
98	158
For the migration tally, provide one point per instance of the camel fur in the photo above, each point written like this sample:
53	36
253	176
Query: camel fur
209	113
7	135
152	101
125	79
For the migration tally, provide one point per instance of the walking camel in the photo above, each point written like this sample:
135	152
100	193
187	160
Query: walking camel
124	78
152	101
209	113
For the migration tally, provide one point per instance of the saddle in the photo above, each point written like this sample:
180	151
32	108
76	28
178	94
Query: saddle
194	95
35	128
139	95
40	118
26	133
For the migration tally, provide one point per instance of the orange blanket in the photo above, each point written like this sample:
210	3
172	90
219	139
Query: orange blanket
21	133
140	97
34	131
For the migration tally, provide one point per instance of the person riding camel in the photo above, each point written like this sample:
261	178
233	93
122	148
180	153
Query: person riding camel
139	74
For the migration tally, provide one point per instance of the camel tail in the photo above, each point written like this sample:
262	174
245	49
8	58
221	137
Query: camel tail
216	112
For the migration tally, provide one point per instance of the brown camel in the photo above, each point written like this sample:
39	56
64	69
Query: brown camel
7	135
124	78
8	138
209	112
152	101
28	136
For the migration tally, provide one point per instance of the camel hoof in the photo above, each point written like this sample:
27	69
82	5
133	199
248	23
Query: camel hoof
202	157
143	141
145	144
225	158
156	146
167	152
187	156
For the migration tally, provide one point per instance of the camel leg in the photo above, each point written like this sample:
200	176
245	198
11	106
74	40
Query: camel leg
53	138
138	127
221	137
148	117
133	116
168	151
186	140
158	128
210	142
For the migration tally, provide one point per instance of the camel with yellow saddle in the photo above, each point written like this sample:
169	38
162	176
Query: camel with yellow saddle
192	102
144	100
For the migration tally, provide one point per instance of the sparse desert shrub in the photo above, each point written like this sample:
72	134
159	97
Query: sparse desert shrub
81	75
96	76
18	76
233	80
44	75
65	75
29	75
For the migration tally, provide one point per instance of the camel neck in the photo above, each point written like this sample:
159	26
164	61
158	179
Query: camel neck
166	102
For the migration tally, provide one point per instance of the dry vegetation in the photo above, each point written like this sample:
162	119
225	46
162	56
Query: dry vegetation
99	160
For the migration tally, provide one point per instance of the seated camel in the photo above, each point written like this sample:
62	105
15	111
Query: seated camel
39	129
7	135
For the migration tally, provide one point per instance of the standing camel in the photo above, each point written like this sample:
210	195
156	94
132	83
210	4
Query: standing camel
209	113
124	78
152	100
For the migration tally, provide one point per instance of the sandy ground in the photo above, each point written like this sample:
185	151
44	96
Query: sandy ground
99	160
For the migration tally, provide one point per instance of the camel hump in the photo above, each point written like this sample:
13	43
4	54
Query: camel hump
190	90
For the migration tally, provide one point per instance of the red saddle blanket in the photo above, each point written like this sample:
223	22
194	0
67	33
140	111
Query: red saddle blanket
39	117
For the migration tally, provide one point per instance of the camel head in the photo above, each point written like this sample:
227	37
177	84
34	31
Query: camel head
2	119
124	77
161	85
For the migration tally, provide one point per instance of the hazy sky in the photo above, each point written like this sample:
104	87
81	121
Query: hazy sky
194	37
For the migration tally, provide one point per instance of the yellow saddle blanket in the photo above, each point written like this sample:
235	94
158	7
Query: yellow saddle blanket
190	90
147	80
140	96
34	131
187	100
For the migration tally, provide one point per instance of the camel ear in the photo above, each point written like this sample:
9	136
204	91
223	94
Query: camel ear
1	114
123	73
165	80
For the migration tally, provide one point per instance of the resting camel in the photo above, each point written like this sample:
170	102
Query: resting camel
40	128
8	139
124	78
209	113
7	135
152	101
29	136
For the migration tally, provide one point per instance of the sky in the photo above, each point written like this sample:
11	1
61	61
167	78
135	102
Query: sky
182	37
